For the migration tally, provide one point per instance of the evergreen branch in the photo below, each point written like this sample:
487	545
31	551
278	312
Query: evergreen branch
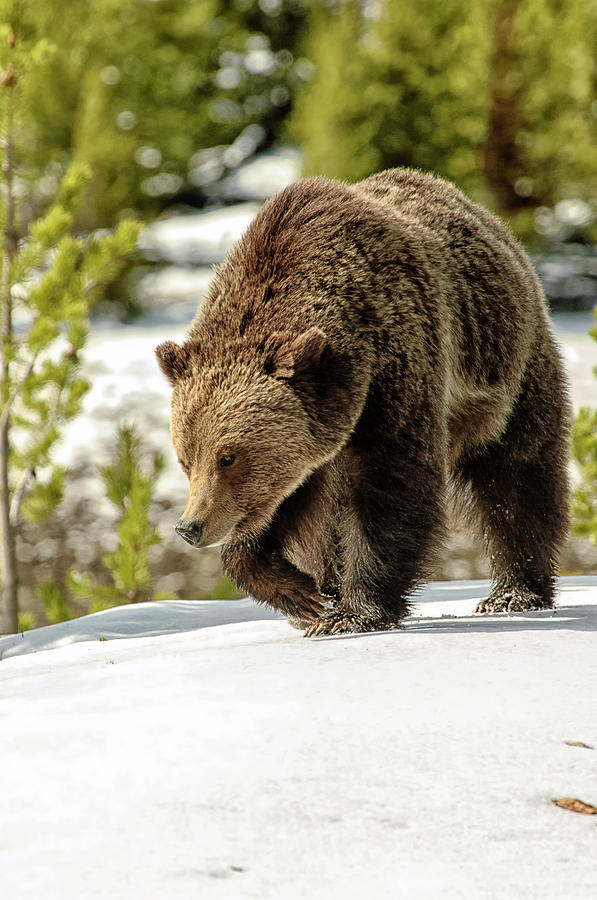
92	285
53	416
29	474
17	498
15	392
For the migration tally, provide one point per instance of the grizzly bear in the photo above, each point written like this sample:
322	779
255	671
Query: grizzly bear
365	354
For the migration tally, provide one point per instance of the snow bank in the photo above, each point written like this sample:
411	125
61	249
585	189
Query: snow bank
234	759
135	621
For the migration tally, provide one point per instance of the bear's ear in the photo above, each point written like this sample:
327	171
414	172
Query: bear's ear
173	360
297	356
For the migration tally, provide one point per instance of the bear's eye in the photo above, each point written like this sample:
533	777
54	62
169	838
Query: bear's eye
184	466
227	460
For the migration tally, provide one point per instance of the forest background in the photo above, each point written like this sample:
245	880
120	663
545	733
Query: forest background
156	101
498	95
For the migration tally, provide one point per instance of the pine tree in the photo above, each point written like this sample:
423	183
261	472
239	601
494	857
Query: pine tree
337	116
49	280
129	486
431	67
496	95
405	88
136	89
541	135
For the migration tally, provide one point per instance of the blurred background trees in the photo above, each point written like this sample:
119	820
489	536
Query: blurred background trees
397	84
137	89
497	95
162	97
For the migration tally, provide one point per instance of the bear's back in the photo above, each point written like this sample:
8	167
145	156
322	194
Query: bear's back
492	294
339	256
440	206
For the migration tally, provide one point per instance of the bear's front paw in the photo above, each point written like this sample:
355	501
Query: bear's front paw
512	600
301	609
326	608
346	623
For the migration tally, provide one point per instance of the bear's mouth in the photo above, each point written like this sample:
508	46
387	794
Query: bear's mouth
219	543
191	532
194	535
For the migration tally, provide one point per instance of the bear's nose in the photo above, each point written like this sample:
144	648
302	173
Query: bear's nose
189	531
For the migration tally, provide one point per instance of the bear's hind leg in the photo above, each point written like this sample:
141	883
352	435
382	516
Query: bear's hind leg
517	489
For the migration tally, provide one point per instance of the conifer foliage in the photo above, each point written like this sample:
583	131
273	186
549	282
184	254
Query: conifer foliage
48	281
129	486
495	95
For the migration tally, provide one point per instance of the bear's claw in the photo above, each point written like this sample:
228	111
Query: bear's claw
346	623
512	600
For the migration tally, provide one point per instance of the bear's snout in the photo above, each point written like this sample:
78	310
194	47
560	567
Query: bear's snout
189	531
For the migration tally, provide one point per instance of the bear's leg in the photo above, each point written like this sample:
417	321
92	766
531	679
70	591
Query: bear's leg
392	523
519	491
260	569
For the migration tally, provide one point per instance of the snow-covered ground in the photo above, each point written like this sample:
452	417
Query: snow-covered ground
212	752
580	354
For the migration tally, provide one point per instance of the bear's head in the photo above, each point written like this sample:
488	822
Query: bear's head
243	430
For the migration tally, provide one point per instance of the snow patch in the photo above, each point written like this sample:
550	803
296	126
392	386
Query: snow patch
213	752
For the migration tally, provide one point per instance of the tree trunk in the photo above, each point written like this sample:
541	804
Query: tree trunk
504	159
8	558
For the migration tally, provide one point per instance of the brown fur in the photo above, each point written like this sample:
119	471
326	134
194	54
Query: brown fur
363	352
